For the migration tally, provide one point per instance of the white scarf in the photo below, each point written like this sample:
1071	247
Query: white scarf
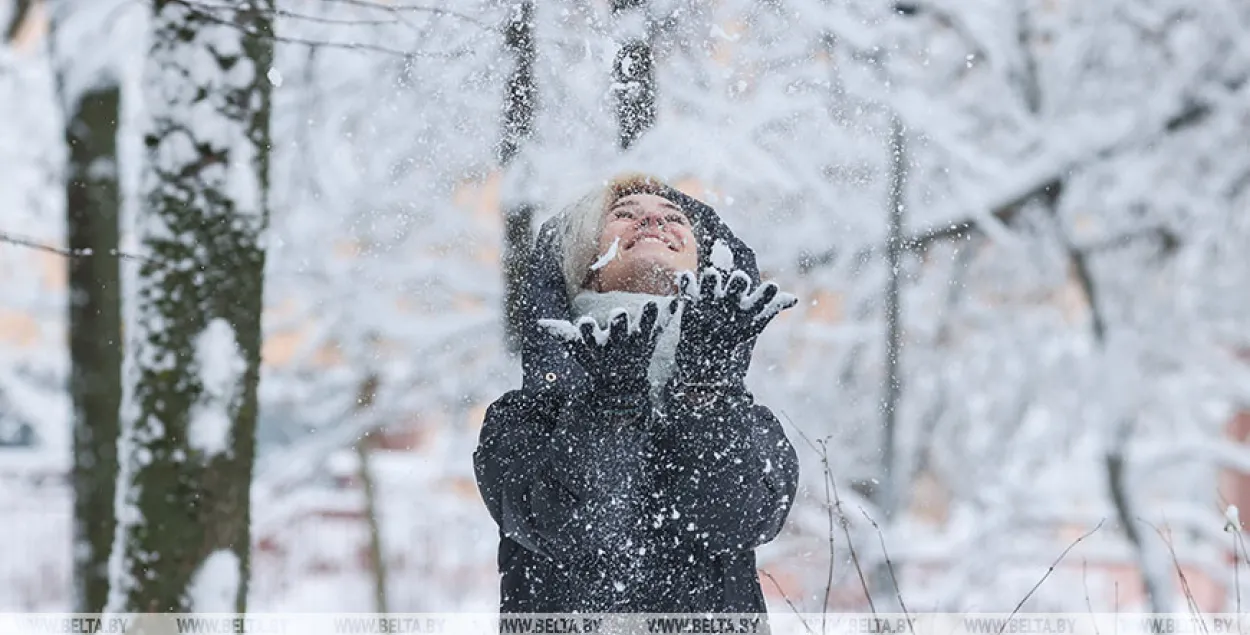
600	306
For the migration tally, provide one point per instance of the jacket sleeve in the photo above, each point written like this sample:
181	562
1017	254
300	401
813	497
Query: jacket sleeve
726	473
563	482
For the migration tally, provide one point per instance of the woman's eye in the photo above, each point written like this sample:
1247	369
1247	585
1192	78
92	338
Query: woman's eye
676	218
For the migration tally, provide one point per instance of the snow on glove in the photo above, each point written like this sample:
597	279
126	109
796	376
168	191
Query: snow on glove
719	315
615	357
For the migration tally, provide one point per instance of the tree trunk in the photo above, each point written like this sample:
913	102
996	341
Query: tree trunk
92	205
377	553
193	353
888	496
518	125
634	74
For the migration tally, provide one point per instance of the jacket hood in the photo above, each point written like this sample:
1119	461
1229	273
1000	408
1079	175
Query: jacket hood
546	366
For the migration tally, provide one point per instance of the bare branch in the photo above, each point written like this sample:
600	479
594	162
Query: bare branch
1049	570
1089	606
31	243
898	592
284	13
831	486
1005	205
351	46
399	9
1180	572
787	599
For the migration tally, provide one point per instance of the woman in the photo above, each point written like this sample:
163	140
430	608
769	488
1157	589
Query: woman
633	472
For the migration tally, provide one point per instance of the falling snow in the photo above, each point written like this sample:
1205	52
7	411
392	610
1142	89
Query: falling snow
1073	265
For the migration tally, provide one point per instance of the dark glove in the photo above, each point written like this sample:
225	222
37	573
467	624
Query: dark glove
719	316
616	358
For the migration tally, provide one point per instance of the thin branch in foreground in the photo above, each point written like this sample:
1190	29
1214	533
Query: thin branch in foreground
60	251
349	46
824	608
397	9
789	603
285	13
1089	606
1180	572
889	565
1234	526
31	243
1049	571
832	485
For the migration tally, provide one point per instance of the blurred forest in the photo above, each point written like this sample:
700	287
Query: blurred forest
258	262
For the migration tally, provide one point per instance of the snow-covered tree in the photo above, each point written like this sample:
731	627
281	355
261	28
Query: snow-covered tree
90	81
193	352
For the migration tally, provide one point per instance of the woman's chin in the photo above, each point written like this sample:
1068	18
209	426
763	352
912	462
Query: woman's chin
654	276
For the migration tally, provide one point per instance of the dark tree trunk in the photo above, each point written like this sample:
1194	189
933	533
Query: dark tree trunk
888	496
634	74
193	362
518	124
92	205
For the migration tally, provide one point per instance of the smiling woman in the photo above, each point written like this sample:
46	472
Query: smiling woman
633	471
653	239
628	236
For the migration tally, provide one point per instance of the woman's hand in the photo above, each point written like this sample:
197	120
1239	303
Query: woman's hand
615	357
718	315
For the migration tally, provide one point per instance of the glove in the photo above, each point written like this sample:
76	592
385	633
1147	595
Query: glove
719	316
616	358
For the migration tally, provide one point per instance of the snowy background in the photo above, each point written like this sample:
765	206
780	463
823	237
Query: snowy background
1076	282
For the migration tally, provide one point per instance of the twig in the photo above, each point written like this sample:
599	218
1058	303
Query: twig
350	46
1239	552
60	251
1180	572
889	564
787	599
284	13
1237	581
837	505
1085	584
824	607
837	501
1049	571
398	9
31	243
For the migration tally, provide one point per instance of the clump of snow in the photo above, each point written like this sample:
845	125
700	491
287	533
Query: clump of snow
722	257
215	585
607	256
221	367
562	329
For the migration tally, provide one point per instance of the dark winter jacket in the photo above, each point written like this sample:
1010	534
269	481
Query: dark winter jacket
601	511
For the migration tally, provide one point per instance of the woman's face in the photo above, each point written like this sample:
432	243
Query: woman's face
656	240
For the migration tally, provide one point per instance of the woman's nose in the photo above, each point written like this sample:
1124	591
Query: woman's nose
649	217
